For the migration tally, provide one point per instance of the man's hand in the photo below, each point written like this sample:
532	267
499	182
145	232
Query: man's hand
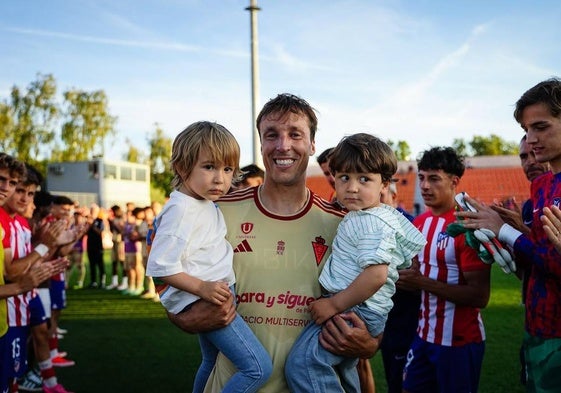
67	236
552	225
49	232
353	340
513	216
204	316
58	265
409	279
33	276
484	217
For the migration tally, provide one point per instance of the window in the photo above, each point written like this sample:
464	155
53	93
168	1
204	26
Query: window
126	173
140	174
93	170
57	170
110	171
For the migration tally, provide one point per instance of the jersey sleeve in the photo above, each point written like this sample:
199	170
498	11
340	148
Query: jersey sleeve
6	233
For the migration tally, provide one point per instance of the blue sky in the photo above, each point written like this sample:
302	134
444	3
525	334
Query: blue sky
421	71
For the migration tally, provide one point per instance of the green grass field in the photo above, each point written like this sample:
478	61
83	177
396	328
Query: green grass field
126	344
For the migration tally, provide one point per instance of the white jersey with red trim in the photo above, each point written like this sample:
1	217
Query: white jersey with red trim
277	261
17	238
445	258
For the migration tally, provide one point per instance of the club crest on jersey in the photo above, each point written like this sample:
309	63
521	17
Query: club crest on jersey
320	248
442	240
557	201
280	247
246	227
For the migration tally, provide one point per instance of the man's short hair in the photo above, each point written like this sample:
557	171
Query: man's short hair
34	177
61	200
323	157
547	92
286	103
15	168
250	171
442	158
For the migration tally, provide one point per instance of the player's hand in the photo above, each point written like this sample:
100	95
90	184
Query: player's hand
512	216
58	265
409	279
551	220
32	276
346	334
67	236
216	292
204	316
49	232
484	217
322	309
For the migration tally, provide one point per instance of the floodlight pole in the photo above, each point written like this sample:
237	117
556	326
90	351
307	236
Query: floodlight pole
253	8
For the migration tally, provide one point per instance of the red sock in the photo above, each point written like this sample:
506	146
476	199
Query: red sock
53	346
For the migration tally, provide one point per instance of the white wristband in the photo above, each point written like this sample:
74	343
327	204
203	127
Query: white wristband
508	234
41	249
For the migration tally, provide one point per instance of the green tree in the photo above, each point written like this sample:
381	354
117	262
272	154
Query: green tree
401	149
492	145
88	123
160	154
28	119
6	126
134	154
460	145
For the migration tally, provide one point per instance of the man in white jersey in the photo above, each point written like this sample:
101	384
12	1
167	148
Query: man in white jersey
281	234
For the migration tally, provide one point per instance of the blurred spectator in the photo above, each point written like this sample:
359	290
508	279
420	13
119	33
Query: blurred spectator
252	176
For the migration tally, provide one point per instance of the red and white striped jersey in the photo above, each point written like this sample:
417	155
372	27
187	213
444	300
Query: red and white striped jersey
17	238
444	258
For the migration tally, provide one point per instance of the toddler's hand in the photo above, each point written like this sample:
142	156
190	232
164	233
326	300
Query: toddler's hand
322	309
216	292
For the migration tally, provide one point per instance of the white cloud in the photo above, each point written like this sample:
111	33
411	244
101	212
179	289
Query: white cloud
107	41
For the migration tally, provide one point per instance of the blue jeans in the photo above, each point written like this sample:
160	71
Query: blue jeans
238	343
312	368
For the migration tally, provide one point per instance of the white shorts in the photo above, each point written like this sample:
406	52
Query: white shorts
45	297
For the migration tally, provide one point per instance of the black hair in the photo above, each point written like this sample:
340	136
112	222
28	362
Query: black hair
442	158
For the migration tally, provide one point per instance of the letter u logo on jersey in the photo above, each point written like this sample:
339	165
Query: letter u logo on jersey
246	227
